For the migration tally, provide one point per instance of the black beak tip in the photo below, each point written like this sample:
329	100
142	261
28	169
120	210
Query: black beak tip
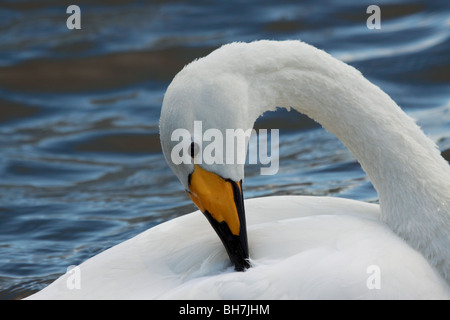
241	265
235	245
237	249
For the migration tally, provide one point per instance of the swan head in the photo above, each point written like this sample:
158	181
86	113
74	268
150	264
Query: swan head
196	113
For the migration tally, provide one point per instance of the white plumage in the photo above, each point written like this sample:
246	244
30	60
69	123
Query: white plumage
315	248
300	247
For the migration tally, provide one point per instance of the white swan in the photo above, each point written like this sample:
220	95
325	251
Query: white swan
299	247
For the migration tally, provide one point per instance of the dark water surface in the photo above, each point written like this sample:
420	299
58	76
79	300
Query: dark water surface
81	167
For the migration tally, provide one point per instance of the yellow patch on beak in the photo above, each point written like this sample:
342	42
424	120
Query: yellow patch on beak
214	194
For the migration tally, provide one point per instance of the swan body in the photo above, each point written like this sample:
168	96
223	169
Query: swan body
299	247
302	264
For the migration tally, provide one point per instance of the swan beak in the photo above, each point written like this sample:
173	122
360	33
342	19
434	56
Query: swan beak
222	202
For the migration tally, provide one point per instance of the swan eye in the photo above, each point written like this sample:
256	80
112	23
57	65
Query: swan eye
193	149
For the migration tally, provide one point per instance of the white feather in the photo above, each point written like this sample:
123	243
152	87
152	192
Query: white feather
315	248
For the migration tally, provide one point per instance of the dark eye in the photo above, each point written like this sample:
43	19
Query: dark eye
193	149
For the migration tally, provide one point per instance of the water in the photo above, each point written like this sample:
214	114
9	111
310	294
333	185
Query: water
80	163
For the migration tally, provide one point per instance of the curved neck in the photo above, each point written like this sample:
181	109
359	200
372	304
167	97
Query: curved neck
405	167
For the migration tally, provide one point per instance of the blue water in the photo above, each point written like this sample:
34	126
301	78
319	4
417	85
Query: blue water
80	163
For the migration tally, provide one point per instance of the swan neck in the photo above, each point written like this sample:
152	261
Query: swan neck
405	167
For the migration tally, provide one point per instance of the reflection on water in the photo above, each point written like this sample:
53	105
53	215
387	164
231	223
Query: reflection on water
81	167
